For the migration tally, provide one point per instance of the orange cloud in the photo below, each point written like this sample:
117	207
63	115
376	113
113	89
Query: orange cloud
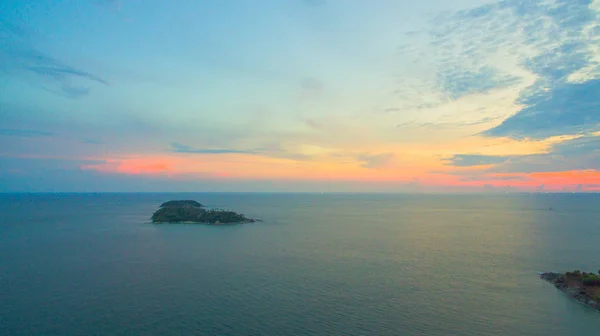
552	181
572	177
404	170
246	167
130	167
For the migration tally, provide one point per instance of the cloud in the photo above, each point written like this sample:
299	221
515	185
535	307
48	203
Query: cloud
568	108
537	163
24	133
546	50
314	124
59	175
179	148
457	83
468	160
495	177
75	92
130	167
560	61
277	150
312	84
53	69
576	154
18	56
311	88
459	56
93	142
553	105
445	125
374	161
585	145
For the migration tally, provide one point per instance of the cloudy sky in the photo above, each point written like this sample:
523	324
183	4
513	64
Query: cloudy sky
300	95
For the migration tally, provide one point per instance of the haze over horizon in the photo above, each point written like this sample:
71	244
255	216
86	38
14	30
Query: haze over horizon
300	95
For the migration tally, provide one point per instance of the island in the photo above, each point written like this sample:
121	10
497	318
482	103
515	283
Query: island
582	286
189	211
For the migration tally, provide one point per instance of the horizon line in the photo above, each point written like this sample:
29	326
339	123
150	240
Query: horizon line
306	192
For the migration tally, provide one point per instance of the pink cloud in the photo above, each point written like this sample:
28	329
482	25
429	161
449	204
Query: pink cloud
130	167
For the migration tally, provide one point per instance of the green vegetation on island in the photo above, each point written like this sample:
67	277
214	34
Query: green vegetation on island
182	203
582	286
188	211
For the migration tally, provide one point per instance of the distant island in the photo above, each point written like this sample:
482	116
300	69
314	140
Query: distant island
582	286
188	211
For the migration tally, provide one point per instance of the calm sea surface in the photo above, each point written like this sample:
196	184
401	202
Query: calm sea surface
91	264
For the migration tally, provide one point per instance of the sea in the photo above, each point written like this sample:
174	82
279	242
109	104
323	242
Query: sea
317	264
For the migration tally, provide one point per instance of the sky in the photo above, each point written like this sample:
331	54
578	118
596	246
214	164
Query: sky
300	95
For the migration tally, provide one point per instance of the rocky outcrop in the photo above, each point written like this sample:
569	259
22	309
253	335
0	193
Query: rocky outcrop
582	286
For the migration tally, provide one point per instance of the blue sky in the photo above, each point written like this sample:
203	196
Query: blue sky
307	95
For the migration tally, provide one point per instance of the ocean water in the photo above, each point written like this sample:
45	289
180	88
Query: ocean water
91	264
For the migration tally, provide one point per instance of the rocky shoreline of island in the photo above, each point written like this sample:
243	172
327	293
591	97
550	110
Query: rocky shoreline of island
582	286
193	212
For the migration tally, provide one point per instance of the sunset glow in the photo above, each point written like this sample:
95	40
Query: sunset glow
306	95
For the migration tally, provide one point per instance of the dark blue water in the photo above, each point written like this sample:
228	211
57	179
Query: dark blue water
317	265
